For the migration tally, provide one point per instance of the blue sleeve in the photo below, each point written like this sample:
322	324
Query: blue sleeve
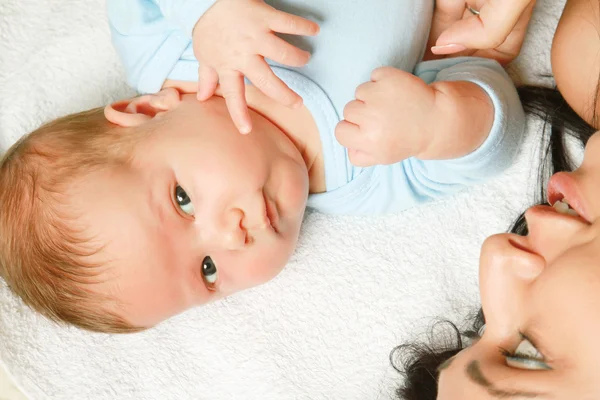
393	188
150	36
506	134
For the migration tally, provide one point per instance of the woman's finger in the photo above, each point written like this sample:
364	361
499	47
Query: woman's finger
487	30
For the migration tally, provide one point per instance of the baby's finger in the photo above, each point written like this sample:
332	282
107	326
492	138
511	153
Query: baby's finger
382	73
364	89
165	99
283	22
349	135
262	76
282	52
354	112
233	90
360	158
208	79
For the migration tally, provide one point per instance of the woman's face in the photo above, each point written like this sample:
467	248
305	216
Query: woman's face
576	57
541	298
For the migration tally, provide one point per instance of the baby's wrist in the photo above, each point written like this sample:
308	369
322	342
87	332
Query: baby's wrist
191	14
462	119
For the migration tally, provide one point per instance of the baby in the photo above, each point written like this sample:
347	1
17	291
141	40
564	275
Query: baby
116	219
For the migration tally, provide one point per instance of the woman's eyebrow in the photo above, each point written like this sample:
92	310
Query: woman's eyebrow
473	371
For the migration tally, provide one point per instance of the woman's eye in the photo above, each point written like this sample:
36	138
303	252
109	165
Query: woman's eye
526	356
183	201
209	271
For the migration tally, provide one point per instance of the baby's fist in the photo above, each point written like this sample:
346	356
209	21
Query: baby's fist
390	120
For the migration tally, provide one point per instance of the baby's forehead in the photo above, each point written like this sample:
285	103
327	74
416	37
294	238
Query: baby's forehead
110	208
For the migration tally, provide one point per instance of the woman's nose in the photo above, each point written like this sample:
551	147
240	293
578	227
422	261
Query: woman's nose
507	269
552	233
224	231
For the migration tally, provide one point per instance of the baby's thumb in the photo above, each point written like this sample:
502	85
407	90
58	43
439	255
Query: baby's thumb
469	33
208	79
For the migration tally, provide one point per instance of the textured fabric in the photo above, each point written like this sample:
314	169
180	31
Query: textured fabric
323	329
356	37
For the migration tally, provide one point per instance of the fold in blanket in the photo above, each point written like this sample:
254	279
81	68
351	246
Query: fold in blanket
323	329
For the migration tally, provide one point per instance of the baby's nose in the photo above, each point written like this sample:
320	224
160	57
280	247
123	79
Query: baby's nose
226	232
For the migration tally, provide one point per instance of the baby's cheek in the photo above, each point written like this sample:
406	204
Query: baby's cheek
264	268
294	190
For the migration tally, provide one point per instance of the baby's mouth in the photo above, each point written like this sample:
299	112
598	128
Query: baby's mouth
267	224
271	216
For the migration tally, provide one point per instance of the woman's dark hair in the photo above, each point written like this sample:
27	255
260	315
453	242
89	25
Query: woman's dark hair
419	362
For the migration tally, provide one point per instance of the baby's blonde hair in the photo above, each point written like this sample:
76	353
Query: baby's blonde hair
44	254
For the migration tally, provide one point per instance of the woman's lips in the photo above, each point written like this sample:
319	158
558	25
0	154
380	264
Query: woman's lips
547	212
562	186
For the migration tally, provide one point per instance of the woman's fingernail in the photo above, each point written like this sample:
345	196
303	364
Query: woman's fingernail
245	129
448	49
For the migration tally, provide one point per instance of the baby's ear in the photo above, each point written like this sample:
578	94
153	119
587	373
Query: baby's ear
136	111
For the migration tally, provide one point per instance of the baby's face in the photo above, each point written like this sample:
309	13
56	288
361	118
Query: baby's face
202	213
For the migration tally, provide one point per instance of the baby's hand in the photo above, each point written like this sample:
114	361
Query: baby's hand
231	40
391	119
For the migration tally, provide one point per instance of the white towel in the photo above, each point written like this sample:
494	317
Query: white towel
324	328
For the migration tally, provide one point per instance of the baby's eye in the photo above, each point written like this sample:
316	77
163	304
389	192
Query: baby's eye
209	271
183	201
526	356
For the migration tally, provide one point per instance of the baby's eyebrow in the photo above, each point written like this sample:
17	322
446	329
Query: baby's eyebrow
158	203
473	371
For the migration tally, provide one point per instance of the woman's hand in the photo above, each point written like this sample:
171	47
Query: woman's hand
483	28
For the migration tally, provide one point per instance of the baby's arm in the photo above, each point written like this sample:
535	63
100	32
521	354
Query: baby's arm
433	179
505	135
398	115
490	93
229	38
148	44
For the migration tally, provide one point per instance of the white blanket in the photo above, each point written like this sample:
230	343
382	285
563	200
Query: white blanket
324	328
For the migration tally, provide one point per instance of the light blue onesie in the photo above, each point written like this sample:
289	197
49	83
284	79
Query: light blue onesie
153	40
